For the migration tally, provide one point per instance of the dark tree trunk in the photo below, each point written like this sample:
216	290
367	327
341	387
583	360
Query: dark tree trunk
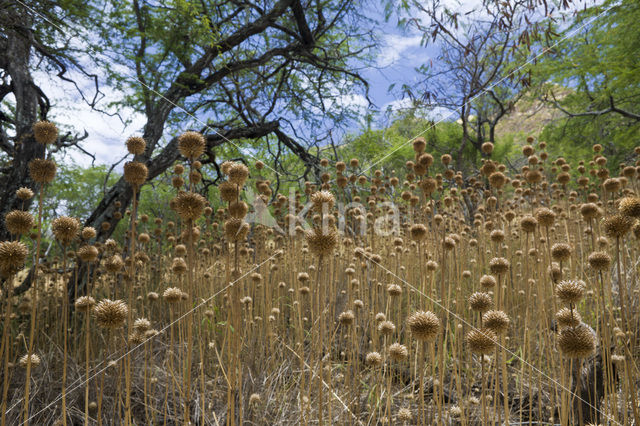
15	60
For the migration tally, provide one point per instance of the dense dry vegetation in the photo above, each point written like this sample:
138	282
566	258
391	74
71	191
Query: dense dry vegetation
416	296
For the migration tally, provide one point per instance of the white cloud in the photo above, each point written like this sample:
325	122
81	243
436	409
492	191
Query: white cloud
395	48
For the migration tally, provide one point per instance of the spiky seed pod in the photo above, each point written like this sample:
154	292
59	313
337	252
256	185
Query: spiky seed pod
45	132
135	173
88	233
419	144
189	205
152	296
404	415
111	313
303	277
24	360
617	226
346	318
398	352
394	290
488	281
386	328
228	191
554	272
577	342
589	211
321	243
65	229
611	185
487	147
481	341
238	209
497	179
136	338
424	325
630	206
480	302
179	266
499	265
570	292
238	174
561	252
24	194
599	260
322	198
235	229
141	325
172	295
636	229
545	217
13	254
528	224
373	359
568	318
496	321
191	145
380	316
418	232
42	171
136	145
84	303
18	222
87	253
114	264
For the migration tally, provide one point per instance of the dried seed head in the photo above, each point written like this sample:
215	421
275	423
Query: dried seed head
141	325
114	264
87	253
13	255
630	206
238	209
488	281
561	252
418	232
189	205
346	318
18	222
24	194
322	243
528	224
617	225
589	211
424	325
398	352
42	171
135	173
191	145
88	232
599	260
172	295
111	313
570	292
499	265
235	229
568	318
45	132
179	266
404	415
481	341
577	342
238	174
496	321
386	328
136	145
24	360
545	217
394	290
321	199
65	229
228	191
84	303
480	302
373	359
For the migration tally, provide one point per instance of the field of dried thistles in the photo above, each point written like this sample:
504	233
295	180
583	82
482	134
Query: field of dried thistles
416	296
